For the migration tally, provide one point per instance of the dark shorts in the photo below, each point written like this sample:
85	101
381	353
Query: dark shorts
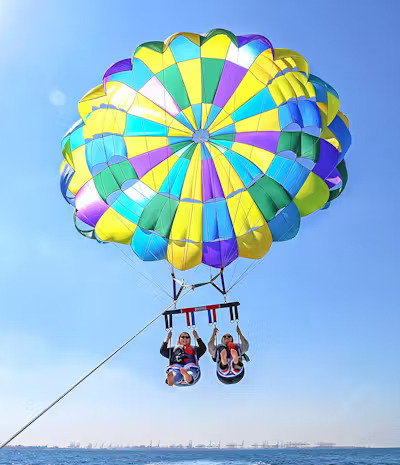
231	379
179	380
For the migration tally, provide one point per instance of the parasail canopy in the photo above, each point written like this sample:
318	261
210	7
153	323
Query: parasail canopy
203	149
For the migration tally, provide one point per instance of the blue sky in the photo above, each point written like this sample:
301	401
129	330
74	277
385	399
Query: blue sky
321	311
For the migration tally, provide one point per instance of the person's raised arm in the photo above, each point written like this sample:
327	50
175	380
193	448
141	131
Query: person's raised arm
212	348
243	341
164	347
202	349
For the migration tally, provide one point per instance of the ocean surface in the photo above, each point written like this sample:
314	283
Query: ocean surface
32	456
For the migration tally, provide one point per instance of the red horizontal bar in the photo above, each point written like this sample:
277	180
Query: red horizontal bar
188	310
213	307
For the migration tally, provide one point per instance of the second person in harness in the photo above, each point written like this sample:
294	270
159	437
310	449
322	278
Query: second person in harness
229	356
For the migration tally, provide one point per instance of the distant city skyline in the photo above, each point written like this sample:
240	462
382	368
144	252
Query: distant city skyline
190	445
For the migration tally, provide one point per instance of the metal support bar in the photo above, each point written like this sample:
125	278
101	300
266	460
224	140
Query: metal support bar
179	293
168	321
236	313
212	316
193	286
201	308
211	309
223	280
216	276
174	285
218	289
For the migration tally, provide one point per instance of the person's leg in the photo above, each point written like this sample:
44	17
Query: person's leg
194	372
173	375
186	376
235	356
170	378
237	367
223	358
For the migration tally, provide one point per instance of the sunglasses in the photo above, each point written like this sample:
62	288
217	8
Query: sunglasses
185	337
226	336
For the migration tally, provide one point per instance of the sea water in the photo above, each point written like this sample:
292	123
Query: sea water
351	456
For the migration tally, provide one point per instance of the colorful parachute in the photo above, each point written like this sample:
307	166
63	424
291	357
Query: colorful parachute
202	149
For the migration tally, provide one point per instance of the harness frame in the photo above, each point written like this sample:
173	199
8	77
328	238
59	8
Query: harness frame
212	314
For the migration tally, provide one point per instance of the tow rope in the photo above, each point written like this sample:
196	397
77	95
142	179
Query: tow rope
5	443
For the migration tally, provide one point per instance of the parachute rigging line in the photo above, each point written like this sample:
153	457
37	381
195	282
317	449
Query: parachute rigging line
130	262
248	270
40	414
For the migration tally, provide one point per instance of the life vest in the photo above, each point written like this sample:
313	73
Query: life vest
233	345
184	355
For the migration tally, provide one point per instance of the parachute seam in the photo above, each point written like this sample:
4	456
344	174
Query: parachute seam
239	200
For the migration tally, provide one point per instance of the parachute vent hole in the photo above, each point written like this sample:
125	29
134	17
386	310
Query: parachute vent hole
201	136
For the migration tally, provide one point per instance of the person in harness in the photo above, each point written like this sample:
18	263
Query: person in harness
229	356
183	369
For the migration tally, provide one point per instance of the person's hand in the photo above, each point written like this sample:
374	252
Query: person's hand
238	330
215	331
169	336
195	334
